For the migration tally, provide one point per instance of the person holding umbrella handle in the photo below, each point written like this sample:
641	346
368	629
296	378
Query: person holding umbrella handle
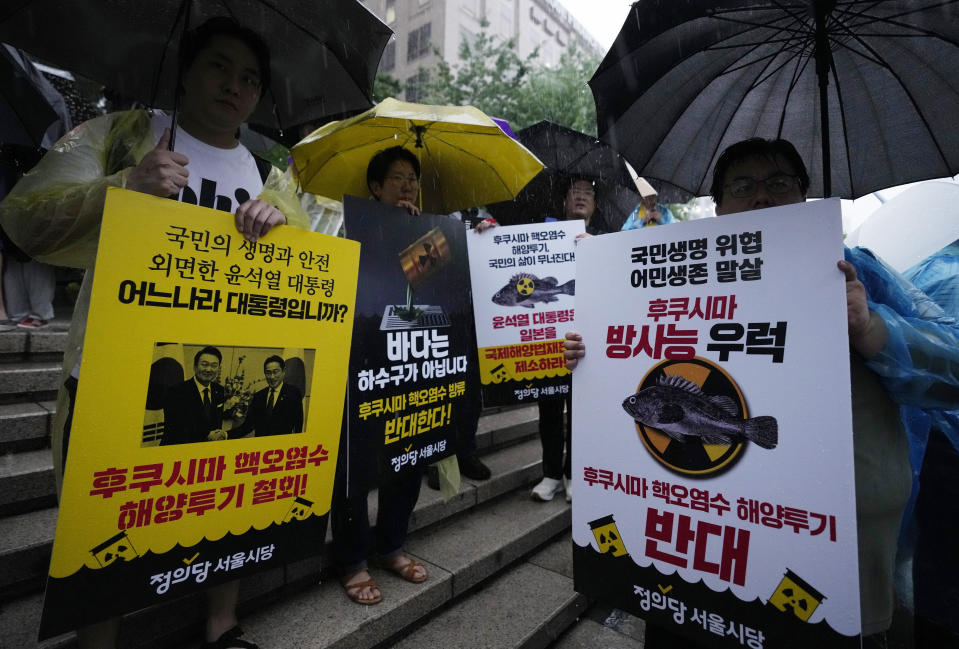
54	212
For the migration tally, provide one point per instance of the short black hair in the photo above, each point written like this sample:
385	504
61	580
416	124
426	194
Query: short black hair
197	39
274	359
209	349
757	147
572	180
380	164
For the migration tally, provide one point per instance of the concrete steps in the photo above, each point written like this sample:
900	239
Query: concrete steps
525	607
29	381
25	426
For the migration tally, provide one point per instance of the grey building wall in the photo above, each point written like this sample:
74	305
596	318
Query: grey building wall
532	23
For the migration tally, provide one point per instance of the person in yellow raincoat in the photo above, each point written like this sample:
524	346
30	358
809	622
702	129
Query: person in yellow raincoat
54	212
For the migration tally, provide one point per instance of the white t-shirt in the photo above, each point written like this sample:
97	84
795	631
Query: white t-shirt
221	179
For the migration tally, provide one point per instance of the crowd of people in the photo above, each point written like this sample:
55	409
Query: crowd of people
53	214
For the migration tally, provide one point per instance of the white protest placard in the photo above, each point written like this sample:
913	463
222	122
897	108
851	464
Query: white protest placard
523	280
712	430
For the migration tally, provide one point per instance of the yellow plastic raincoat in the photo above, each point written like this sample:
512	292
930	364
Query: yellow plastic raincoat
53	213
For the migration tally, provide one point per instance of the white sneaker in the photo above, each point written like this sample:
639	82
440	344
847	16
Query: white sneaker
546	489
568	486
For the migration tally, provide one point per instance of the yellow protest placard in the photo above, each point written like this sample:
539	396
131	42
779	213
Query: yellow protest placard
210	396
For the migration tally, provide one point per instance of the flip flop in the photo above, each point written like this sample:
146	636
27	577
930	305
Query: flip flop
408	570
354	590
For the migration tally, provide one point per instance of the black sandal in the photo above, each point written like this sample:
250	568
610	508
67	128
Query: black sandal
230	639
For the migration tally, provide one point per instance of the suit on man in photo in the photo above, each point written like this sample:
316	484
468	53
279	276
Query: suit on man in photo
277	409
193	410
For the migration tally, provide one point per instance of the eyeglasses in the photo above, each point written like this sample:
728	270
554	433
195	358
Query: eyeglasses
400	179
777	184
575	191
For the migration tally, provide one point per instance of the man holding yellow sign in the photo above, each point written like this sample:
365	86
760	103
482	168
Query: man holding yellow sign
54	213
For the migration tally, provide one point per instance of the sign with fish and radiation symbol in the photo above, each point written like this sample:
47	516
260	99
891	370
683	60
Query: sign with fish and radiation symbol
523	279
712	429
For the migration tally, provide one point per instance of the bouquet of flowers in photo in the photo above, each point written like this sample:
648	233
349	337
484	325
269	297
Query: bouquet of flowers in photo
238	391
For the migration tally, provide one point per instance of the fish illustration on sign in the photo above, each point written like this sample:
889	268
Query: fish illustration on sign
524	289
679	408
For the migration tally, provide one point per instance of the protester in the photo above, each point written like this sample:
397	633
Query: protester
648	213
936	582
901	351
579	202
393	178
54	212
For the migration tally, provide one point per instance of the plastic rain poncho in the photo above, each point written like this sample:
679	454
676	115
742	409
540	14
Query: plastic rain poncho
919	364
938	277
54	211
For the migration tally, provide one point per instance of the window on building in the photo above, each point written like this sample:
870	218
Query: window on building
419	43
471	7
416	86
466	36
390	12
388	62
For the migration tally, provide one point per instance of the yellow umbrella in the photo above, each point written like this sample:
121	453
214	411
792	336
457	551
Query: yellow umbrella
466	158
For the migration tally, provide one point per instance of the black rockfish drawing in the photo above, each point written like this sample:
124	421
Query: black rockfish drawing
524	289
679	408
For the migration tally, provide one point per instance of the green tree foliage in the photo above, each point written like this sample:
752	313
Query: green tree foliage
560	94
386	85
491	76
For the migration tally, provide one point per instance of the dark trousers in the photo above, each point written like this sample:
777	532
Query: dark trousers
934	567
353	539
555	436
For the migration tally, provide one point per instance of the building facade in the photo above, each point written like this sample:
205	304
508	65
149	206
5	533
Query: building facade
421	25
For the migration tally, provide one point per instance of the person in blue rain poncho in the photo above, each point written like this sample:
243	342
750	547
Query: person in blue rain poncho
648	213
936	431
904	351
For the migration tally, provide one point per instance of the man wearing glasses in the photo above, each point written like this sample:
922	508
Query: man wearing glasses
903	349
277	409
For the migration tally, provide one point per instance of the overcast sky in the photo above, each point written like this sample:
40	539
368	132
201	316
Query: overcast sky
601	18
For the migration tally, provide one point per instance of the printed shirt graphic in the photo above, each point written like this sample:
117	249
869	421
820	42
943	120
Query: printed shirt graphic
221	179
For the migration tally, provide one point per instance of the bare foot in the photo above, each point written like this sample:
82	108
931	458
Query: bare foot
409	569
361	588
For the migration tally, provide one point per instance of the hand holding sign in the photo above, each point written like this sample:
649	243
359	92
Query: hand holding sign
160	172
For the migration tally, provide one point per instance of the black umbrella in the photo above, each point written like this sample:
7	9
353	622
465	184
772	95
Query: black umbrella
867	91
568	154
324	52
25	113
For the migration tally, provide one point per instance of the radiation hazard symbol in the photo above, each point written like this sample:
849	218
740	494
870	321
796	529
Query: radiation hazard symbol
499	373
794	594
701	457
607	536
525	286
116	547
299	510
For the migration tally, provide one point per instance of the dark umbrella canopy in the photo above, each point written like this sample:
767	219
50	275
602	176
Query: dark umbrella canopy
568	154
324	52
683	80
25	113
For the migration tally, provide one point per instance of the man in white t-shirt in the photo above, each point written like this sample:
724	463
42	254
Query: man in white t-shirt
54	212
